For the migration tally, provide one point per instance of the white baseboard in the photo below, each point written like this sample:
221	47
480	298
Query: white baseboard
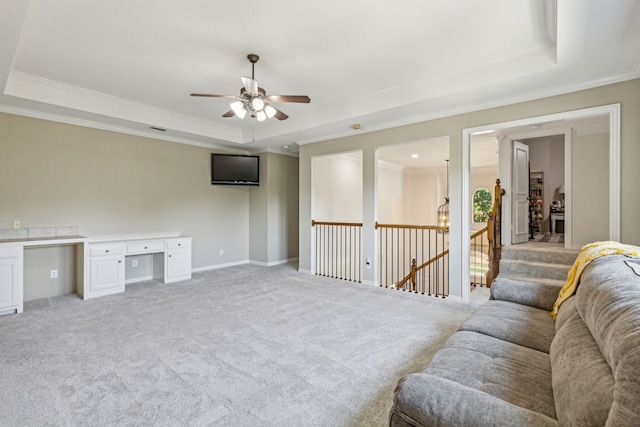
369	282
302	270
271	264
137	279
217	266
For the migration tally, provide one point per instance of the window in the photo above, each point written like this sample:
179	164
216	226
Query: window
482	205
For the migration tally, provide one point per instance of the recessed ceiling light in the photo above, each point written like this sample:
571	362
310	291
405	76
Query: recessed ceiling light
355	126
415	156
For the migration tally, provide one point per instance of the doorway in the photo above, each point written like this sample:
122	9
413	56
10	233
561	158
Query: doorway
607	162
546	189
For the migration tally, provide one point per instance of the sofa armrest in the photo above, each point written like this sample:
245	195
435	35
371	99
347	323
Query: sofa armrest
534	294
427	400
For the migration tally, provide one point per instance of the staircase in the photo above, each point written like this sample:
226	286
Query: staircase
536	262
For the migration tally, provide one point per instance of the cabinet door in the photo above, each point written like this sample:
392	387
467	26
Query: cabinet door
107	272
178	264
10	295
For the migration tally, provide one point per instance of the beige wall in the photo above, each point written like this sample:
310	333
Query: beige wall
590	190
625	93
111	184
337	188
273	228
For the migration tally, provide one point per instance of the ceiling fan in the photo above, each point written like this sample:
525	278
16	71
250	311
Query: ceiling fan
254	99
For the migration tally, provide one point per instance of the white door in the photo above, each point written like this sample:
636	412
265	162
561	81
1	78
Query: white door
520	218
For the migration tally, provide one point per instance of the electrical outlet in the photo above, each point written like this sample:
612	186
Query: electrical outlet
134	263
16	224
53	274
221	252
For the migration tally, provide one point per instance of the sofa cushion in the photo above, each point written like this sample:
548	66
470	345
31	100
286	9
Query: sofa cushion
426	400
566	311
536	294
582	380
608	300
516	323
519	375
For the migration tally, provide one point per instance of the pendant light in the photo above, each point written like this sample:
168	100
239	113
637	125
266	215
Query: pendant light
443	209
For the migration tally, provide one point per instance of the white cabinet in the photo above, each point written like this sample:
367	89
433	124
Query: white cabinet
106	270
107	262
11	297
178	259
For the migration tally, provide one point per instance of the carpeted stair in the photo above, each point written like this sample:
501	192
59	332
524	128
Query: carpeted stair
528	263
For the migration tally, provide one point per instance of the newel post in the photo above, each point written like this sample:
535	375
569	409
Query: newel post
414	272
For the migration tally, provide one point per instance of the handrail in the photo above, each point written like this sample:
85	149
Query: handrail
415	268
415	227
342	224
479	232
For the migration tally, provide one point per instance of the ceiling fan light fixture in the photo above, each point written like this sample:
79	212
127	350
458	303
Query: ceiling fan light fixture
238	109
257	104
269	111
261	116
254	100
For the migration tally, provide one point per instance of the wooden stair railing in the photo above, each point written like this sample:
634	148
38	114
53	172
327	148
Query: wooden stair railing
494	225
415	268
338	249
493	230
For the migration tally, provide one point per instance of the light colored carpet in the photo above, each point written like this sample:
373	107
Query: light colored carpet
241	346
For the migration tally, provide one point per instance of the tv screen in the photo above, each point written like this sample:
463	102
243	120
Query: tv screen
235	169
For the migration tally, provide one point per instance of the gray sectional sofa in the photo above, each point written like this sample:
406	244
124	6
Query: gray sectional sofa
511	364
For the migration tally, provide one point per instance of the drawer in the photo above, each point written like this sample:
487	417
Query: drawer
178	243
106	250
145	247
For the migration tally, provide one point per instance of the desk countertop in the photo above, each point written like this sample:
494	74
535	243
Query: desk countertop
42	241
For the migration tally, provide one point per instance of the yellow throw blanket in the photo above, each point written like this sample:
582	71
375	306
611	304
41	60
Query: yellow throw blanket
587	254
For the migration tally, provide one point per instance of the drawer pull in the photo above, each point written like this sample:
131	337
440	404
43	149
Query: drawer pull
145	247
179	244
107	250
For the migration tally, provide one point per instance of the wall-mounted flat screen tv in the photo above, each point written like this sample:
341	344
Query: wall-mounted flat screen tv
235	169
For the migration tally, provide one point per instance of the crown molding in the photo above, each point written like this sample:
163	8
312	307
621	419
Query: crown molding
111	128
34	88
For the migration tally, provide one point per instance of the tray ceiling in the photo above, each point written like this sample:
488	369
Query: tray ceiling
130	66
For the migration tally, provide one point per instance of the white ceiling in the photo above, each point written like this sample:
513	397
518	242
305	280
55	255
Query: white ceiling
128	66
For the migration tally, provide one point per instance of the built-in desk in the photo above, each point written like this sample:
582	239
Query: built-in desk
12	267
106	259
100	264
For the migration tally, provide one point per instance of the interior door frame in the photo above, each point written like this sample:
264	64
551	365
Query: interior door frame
461	247
506	172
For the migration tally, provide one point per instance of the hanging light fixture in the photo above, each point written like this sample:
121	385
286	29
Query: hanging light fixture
443	209
239	109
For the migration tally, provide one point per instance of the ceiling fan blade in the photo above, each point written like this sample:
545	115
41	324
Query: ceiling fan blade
229	113
289	98
215	96
250	85
280	115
